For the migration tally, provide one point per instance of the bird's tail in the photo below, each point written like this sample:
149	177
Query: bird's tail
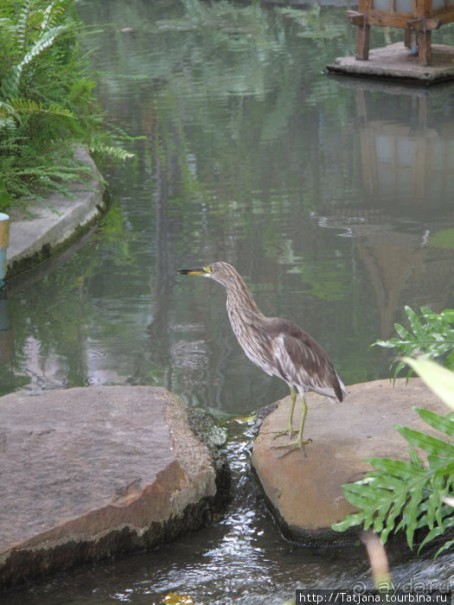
339	388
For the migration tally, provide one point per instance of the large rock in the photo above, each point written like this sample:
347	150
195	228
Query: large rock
91	472
305	492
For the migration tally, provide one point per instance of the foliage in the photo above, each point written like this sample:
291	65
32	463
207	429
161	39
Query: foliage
409	496
46	99
430	335
417	494
410	491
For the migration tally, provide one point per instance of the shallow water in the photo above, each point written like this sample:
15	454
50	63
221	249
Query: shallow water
333	197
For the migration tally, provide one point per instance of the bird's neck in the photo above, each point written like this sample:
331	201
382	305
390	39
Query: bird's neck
240	303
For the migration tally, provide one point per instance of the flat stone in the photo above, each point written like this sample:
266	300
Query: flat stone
395	61
46	228
86	473
305	492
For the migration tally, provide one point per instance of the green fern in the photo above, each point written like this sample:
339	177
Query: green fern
11	85
22	25
430	335
43	118
111	151
7	111
23	107
55	13
408	496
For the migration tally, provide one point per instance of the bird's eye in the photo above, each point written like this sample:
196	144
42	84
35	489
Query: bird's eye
208	269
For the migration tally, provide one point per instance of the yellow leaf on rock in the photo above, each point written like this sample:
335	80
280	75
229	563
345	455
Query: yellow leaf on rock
174	598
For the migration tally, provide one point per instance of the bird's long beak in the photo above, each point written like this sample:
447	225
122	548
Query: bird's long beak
198	271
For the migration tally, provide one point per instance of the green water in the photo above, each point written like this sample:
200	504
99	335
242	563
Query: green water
333	197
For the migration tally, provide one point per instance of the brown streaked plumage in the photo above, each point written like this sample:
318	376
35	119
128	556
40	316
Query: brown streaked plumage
277	346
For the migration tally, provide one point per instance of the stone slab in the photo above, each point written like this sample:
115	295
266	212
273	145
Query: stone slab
395	61
86	473
305	492
45	229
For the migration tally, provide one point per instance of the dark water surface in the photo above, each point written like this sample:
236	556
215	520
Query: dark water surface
333	197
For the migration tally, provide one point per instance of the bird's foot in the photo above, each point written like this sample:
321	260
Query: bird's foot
276	434
292	446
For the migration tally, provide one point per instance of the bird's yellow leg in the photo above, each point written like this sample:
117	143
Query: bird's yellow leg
290	430
299	444
299	440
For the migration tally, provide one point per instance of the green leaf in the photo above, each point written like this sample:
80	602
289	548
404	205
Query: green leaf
431	335
436	532
446	546
432	445
406	496
394	513
415	458
415	323
401	331
449	360
411	513
395	468
387	344
444	424
349	521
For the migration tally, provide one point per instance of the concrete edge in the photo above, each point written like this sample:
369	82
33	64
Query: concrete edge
54	226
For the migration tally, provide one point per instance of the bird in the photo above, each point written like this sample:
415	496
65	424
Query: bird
277	346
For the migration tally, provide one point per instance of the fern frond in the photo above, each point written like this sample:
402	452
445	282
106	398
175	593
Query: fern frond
58	12
117	153
41	122
28	106
430	335
7	110
22	24
12	83
46	16
44	42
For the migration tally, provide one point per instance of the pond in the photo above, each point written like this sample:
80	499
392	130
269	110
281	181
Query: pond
333	197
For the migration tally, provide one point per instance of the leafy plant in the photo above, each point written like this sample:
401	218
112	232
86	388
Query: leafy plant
415	494
47	104
430	335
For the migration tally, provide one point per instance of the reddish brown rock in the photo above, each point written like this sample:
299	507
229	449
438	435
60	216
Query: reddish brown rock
305	492
91	472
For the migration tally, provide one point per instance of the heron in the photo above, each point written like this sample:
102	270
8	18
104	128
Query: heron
277	346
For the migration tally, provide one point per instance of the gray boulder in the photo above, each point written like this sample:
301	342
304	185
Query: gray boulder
86	473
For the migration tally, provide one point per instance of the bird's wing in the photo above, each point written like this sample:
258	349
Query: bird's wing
301	361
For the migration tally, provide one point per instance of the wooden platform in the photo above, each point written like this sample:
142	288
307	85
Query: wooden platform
395	61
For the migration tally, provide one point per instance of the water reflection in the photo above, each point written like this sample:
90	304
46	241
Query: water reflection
407	162
407	146
333	198
6	335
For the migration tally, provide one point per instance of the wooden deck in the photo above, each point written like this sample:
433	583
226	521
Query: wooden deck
396	61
